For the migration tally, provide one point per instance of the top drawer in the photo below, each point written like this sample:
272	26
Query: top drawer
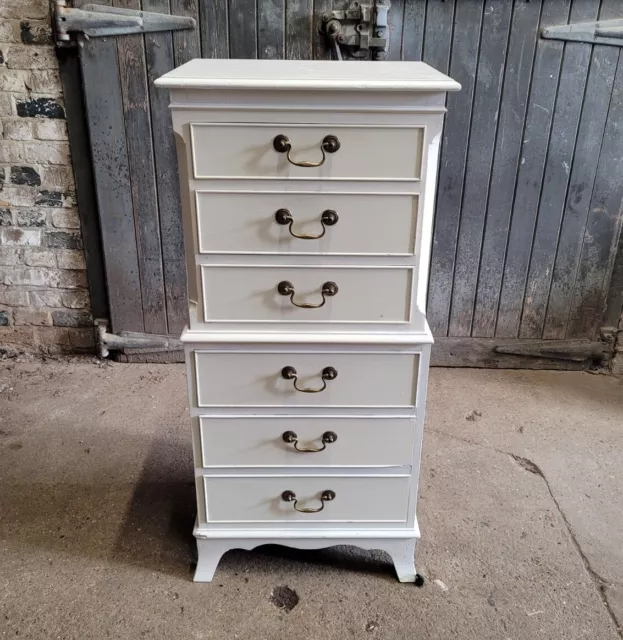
379	152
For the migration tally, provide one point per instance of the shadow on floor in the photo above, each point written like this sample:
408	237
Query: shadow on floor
340	557
147	524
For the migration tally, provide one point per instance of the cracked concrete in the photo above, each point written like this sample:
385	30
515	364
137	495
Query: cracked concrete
570	429
521	513
600	583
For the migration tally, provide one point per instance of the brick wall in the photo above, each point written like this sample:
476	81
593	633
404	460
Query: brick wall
44	300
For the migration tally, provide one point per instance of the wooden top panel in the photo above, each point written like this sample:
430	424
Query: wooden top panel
299	74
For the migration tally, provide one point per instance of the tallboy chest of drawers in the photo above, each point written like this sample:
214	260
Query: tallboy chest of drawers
307	195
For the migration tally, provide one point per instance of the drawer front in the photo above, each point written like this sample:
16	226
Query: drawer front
253	294
366	152
231	379
238	222
258	499
278	440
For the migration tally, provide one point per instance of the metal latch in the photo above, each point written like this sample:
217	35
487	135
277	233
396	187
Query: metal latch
96	21
602	32
361	28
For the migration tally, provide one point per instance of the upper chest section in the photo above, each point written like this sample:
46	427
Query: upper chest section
317	120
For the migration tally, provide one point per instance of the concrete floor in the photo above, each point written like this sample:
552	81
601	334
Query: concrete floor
521	513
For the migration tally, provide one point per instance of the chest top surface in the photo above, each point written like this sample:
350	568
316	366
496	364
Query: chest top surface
306	74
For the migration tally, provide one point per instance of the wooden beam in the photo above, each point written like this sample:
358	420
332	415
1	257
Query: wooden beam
493	353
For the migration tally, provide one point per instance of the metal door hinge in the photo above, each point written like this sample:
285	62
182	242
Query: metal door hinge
107	342
360	29
601	32
95	21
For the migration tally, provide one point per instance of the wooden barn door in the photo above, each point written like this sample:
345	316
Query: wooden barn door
134	167
528	211
528	215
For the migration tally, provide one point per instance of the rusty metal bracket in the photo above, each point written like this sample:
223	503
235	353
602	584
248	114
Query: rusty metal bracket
95	21
361	29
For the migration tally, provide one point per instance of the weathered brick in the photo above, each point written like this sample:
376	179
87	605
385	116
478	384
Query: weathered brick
13	298
9	30
82	339
21	56
28	277
50	340
71	279
40	152
18	129
45	81
6	105
6	217
11	236
54	339
37	9
32	317
35	32
72	318
47	129
75	299
5	318
10	336
39	108
31	218
66	219
25	175
12	151
70	260
11	81
56	176
9	256
62	240
46	298
36	258
18	196
49	198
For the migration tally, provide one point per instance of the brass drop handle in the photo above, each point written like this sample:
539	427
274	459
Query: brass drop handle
290	437
282	144
328	373
325	496
327	219
328	290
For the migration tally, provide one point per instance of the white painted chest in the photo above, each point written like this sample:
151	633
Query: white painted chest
308	194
